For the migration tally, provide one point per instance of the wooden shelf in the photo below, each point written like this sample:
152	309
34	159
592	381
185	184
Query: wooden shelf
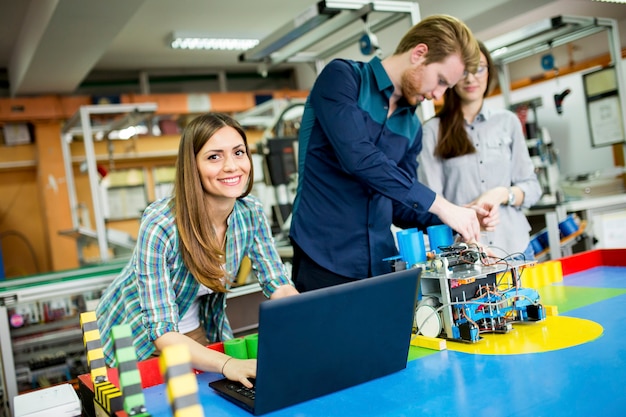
56	107
140	148
17	157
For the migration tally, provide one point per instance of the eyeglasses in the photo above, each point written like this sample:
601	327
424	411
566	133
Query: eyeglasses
481	71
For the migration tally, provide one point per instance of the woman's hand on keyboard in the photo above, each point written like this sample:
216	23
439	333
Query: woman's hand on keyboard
240	370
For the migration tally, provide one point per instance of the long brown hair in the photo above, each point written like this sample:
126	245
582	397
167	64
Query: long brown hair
453	138
201	250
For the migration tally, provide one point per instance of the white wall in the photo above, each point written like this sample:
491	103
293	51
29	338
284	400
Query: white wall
570	130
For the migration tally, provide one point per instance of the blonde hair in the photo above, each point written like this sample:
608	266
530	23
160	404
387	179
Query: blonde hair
444	35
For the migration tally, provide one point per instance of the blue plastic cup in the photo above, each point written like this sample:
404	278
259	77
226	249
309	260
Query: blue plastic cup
543	239
411	246
439	236
568	226
536	245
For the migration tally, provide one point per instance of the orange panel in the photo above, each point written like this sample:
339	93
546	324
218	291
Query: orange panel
71	104
291	94
166	103
231	102
54	197
44	107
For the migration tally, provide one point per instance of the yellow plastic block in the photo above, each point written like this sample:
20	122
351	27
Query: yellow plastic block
427	342
173	355
99	373
557	271
551	310
545	272
91	335
95	354
108	396
191	411
182	385
87	317
530	277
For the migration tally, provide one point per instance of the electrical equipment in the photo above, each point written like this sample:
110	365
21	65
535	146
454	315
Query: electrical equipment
463	294
494	311
40	336
541	149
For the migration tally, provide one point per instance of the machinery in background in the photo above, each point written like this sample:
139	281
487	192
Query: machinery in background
541	149
40	336
609	181
278	148
465	293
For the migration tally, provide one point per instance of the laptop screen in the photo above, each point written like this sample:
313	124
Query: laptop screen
329	339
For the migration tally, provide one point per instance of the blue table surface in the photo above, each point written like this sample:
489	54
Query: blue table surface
583	380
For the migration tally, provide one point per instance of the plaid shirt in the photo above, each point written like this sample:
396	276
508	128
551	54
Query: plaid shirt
155	289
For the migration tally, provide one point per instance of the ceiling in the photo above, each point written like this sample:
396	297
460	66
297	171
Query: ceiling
55	46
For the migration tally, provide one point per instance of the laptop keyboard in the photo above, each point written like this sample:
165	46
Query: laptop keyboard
239	388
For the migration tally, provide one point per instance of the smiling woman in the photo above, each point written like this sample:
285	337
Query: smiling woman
189	248
224	166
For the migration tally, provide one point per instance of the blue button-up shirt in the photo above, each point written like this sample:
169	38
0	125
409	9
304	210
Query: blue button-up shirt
356	171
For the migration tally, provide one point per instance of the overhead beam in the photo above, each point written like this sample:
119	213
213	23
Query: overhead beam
541	36
54	57
309	19
318	22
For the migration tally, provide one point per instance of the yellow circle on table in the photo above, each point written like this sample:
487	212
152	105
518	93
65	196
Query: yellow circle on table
553	333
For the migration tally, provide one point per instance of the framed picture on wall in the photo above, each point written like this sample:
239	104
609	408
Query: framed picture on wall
603	107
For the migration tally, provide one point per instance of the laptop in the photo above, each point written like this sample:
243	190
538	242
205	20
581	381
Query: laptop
329	339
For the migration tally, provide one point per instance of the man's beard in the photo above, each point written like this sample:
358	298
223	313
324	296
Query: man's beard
410	88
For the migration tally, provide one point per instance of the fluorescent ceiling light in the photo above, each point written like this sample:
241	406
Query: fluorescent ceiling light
190	41
611	1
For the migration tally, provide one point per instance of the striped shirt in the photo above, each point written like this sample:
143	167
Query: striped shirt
155	289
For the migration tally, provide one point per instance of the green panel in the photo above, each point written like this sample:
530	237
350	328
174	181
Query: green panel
14	284
416	352
569	298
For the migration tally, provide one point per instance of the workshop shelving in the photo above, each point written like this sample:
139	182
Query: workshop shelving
41	340
40	336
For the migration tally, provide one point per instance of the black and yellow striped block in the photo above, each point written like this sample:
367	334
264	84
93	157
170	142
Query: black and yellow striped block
181	382
108	396
93	346
130	379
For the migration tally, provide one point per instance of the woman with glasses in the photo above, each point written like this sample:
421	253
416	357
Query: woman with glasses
474	155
